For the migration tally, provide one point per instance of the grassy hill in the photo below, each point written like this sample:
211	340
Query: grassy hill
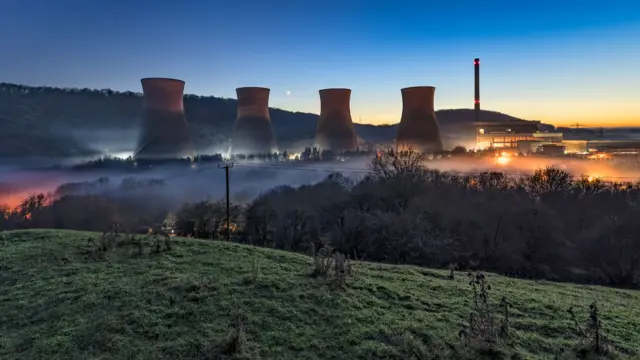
59	302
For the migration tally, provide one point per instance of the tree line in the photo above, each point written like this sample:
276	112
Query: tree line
548	225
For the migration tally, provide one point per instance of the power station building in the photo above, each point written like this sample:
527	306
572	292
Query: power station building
525	136
164	133
335	129
253	132
614	147
521	134
418	126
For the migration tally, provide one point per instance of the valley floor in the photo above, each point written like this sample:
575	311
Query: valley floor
59	302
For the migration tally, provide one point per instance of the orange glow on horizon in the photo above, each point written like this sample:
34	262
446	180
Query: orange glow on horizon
609	116
30	184
560	121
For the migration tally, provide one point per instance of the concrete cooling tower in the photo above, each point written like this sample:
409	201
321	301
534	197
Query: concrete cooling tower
418	126
164	133
253	133
335	128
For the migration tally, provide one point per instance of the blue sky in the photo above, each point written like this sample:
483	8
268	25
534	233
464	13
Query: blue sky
562	61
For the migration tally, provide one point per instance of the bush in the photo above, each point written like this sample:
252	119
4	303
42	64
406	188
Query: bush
205	219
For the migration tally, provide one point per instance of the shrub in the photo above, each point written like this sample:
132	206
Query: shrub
486	333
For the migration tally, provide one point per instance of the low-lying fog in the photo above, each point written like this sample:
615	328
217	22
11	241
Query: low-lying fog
248	179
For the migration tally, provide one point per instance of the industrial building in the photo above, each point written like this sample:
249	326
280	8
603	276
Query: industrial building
552	149
418	126
164	133
575	146
520	134
335	129
253	131
614	147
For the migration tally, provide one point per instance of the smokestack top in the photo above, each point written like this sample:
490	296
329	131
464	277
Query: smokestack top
163	94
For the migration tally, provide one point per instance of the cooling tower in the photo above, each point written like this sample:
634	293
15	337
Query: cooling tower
253	133
164	133
418	126
476	101
335	128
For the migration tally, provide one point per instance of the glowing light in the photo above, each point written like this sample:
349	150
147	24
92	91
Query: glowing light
503	160
483	145
122	155
599	156
288	92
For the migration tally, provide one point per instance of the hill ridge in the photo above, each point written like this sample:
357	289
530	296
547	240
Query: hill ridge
58	114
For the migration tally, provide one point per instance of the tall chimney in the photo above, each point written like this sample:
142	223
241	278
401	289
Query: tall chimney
253	133
335	128
164	133
418	126
476	102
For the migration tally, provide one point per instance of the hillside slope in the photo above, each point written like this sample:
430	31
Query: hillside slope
60	304
73	113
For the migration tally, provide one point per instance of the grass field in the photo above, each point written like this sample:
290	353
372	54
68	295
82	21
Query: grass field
58	303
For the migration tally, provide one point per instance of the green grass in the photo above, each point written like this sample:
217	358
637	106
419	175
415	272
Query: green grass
57	303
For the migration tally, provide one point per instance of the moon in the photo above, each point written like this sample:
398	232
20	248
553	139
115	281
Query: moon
288	92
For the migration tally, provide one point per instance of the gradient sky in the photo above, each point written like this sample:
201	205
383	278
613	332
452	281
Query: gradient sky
561	61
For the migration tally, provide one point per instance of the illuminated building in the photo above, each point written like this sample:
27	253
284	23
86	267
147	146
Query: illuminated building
513	134
617	147
552	149
575	146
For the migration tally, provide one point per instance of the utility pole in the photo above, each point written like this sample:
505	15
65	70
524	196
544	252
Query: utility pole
226	170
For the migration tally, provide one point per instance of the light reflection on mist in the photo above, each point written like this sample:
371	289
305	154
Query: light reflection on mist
247	180
627	170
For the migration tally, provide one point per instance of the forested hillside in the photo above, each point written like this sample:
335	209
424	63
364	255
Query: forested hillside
36	121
